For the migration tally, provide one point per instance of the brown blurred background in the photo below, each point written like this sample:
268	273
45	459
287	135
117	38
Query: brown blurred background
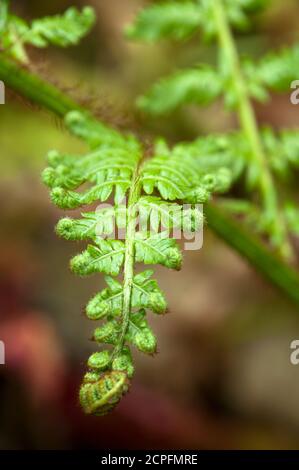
222	377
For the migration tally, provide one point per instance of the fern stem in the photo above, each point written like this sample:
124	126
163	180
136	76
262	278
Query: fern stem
49	97
249	125
281	275
134	196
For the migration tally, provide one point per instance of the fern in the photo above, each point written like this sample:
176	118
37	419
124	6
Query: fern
155	188
264	158
149	193
200	85
177	20
60	30
277	70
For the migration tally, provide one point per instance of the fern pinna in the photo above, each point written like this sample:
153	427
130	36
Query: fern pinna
60	30
268	158
155	189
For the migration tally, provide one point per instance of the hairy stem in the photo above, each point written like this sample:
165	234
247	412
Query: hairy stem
35	89
49	97
249	125
134	196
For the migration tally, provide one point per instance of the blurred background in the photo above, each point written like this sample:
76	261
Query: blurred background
222	378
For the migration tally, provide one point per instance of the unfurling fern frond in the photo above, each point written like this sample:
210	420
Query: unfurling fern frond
60	30
259	152
148	199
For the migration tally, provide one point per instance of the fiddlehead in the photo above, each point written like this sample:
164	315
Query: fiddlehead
155	188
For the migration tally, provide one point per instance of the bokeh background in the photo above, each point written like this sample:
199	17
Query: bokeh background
222	378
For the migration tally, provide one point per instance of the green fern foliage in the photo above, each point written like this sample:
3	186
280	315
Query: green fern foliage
200	85
177	20
148	195
180	19
204	84
257	156
60	30
278	69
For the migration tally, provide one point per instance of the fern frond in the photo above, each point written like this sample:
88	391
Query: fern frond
107	257
110	370
93	224
106	170
204	84
289	142
201	85
283	150
109	302
139	334
157	249
182	175
100	393
147	294
176	20
180	20
115	165
60	30
239	11
96	134
215	153
277	70
154	213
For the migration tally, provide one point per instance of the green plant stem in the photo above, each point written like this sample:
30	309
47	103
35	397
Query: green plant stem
35	89
249	246
249	125
134	196
3	14
49	97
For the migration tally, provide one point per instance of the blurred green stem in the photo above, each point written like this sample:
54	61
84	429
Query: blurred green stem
249	125
49	97
249	246
35	89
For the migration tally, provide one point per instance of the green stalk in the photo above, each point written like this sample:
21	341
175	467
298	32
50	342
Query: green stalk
134	196
49	97
3	14
250	128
